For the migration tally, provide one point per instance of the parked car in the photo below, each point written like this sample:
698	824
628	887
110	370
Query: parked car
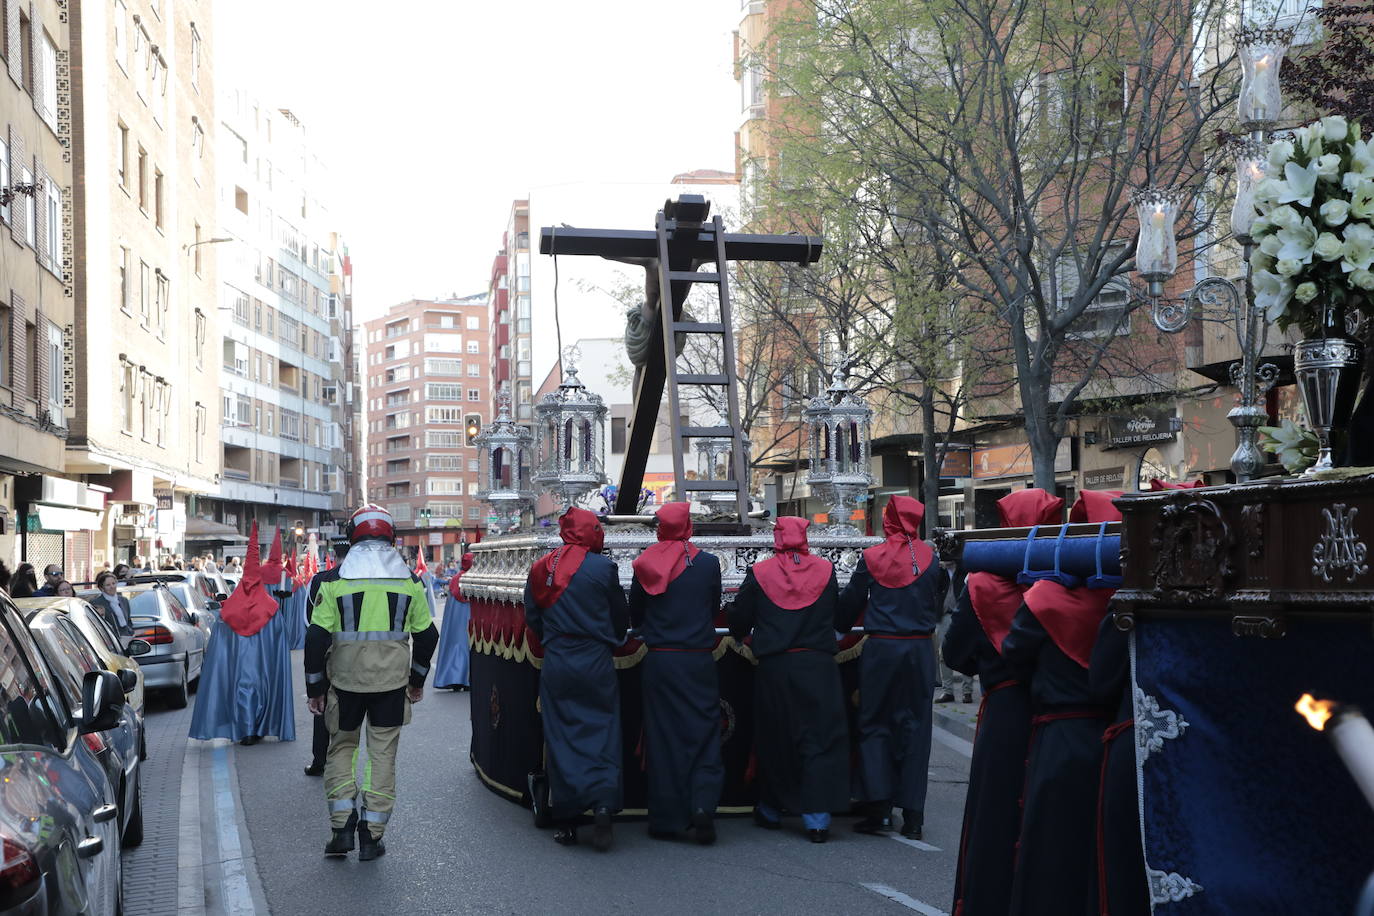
114	655
70	658
232	580
176	645
59	818
197	591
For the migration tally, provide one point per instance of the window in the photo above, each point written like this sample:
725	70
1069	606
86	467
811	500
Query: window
195	250
452	415
435	391
398	374
145	304
29	720
6	366
54	227
195	57
197	147
290	424
4	175
443	343
474	347
127	395
445	510
26	51
443	462
236	356
200	431
47	77
474	394
143	179
164	299
474	512
121	35
123	156
435	438
448	485
54	345
157	198
125	292
439	366
618	435
31	211
1108	314
474	323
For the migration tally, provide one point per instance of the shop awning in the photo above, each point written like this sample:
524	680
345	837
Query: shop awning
62	518
202	529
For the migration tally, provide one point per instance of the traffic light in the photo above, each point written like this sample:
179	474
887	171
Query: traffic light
473	427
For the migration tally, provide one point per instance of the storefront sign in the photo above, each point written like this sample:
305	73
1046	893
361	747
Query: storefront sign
958	463
1141	428
436	537
1105	479
1015	460
164	498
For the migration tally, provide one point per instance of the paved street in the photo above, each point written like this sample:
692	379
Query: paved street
455	847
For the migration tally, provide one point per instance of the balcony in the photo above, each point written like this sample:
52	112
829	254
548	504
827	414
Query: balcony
292	482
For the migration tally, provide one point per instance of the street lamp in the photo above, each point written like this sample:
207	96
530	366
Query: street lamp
1261	53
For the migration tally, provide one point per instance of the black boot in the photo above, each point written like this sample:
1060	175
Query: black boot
601	830
703	828
912	821
878	819
368	848
341	843
566	835
315	769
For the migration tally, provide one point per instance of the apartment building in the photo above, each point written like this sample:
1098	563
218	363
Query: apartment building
144	377
511	332
286	290
429	395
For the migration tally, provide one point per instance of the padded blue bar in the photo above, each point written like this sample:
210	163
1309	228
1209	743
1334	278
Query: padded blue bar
1077	558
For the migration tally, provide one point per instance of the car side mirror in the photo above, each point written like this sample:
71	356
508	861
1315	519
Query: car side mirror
193	617
138	647
221	597
128	679
102	702
213	605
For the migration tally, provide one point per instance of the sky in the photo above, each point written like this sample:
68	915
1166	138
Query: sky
434	117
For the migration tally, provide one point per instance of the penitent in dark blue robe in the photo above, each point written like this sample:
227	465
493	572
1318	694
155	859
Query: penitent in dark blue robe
681	694
451	661
997	772
897	678
578	692
245	684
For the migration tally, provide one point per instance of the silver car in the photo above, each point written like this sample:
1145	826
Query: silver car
177	643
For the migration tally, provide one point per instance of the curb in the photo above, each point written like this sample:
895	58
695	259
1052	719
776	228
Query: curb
955	723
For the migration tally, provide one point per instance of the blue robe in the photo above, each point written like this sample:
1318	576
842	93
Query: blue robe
297	614
245	684
451	664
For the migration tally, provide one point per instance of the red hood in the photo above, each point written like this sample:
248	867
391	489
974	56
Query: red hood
792	578
1095	506
902	556
658	565
582	533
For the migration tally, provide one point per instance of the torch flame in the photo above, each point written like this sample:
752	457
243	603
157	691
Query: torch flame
1316	711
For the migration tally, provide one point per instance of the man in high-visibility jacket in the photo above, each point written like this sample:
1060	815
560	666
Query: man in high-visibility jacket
359	665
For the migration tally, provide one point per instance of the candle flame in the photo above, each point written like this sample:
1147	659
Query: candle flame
1317	712
1262	63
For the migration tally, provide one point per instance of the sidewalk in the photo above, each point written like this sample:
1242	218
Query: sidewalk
958	719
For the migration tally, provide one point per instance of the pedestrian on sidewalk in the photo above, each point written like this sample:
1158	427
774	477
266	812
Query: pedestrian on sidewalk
575	605
951	682
319	739
245	691
24	584
801	735
997	770
451	664
1050	644
674	600
895	591
52	574
113	606
367	655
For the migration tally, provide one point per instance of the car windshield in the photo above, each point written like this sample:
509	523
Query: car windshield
144	604
64	658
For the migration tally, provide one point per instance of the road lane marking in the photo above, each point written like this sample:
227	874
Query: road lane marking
953	742
914	844
911	903
238	899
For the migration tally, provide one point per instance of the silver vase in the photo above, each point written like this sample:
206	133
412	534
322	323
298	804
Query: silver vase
1328	373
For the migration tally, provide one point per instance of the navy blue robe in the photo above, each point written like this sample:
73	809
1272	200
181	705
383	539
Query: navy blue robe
578	692
801	735
897	678
1056	860
681	694
997	772
1121	885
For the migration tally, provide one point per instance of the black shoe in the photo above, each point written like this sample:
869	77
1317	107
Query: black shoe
601	830
250	740
874	825
912	822
315	769
765	823
703	828
968	696
565	836
945	697
341	843
368	848
819	836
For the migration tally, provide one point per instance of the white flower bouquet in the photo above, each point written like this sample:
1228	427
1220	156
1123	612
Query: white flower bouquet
1314	238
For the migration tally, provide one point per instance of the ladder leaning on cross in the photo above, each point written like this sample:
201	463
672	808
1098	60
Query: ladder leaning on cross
682	240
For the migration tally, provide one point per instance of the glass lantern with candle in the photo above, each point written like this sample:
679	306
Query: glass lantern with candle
1156	252
1250	171
1261	54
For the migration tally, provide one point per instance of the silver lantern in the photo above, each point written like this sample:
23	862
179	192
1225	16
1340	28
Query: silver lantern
571	424
838	426
507	449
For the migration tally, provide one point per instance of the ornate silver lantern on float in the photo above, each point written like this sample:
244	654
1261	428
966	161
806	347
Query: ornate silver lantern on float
713	463
838	426
572	440
505	474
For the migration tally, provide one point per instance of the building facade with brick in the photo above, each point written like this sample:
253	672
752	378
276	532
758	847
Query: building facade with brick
429	368
286	289
508	295
145	378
